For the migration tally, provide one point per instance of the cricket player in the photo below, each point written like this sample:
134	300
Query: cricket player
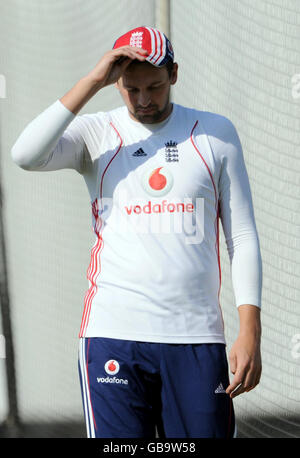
152	352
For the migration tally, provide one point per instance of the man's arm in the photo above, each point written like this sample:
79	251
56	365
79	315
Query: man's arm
237	216
106	72
42	145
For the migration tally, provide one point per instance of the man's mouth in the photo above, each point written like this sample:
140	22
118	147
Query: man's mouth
145	110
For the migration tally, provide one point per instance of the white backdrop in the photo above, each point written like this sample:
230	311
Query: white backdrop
239	58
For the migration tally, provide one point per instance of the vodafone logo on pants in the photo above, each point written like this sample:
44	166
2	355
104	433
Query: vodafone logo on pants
112	367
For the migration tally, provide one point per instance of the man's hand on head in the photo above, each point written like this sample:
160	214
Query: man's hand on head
113	64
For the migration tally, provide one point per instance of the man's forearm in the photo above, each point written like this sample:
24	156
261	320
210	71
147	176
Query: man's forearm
80	94
250	322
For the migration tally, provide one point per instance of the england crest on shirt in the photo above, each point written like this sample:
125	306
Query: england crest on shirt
171	151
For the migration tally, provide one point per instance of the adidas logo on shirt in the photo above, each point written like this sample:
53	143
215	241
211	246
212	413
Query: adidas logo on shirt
220	389
139	152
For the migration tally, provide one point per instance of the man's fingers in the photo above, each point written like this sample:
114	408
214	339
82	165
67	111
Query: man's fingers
243	382
237	391
252	380
239	377
122	58
130	52
232	362
237	380
128	55
250	377
244	387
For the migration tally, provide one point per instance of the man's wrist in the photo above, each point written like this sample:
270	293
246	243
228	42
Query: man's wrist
250	323
93	81
90	85
254	331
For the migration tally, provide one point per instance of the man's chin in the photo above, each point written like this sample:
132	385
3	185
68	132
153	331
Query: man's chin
146	118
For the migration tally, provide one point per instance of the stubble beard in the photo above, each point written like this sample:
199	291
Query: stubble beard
154	117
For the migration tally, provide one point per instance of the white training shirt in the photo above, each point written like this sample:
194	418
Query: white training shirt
157	193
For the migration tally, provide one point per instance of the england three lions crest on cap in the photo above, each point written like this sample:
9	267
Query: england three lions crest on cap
171	151
136	39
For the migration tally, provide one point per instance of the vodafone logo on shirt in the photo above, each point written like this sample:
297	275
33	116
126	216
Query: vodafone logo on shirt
156	213
157	182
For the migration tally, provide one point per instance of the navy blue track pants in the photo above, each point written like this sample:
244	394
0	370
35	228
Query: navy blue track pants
140	389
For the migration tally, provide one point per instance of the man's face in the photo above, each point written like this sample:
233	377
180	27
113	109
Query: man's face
146	91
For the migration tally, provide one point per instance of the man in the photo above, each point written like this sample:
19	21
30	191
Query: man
152	347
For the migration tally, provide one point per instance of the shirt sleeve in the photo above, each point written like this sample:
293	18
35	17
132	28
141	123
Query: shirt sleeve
238	221
52	141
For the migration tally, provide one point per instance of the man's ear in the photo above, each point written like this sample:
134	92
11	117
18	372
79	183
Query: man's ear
174	73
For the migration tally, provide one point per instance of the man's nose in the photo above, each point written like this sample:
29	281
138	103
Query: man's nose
144	99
